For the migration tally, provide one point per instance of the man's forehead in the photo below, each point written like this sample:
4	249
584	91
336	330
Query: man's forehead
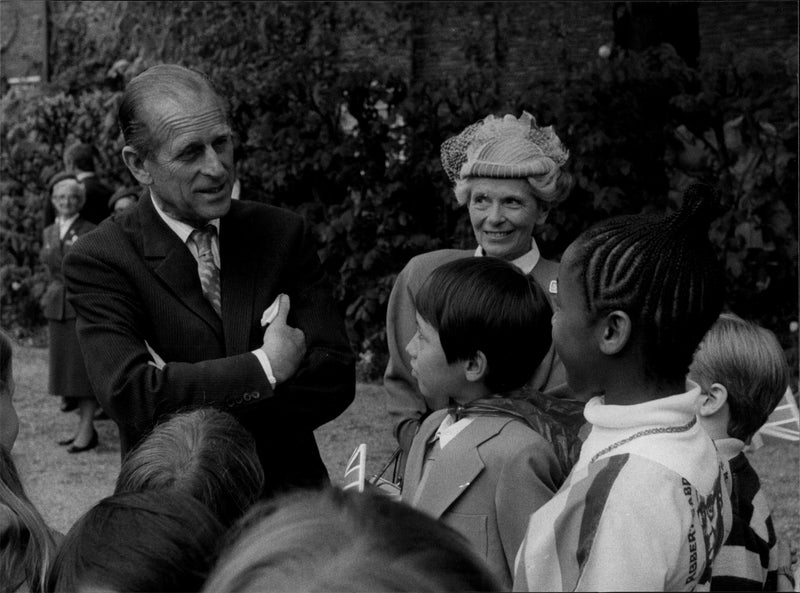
180	119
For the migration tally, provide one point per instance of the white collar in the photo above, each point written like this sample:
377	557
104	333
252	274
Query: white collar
729	447
525	262
65	223
672	410
84	175
180	228
449	428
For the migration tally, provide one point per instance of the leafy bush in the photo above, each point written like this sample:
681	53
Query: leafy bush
35	128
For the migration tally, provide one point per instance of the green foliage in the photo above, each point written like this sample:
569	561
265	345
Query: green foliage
739	129
352	145
641	127
35	128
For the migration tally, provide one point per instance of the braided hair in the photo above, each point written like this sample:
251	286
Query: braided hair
662	272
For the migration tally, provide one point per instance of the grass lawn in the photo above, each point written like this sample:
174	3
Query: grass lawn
64	486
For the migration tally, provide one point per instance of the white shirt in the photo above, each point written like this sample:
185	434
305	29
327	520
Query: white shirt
449	428
64	224
525	262
184	230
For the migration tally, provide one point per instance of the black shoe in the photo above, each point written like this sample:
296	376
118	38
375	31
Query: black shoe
65	442
68	404
93	442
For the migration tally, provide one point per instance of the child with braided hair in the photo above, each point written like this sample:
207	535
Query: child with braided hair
647	505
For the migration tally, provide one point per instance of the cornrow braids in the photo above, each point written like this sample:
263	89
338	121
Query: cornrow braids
662	272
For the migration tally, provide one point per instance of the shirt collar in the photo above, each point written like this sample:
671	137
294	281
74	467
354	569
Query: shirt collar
525	262
67	222
180	228
84	175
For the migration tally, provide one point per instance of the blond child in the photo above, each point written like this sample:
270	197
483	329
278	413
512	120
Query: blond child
742	373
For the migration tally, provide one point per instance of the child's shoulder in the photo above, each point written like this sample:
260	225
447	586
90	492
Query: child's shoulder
507	437
636	477
746	482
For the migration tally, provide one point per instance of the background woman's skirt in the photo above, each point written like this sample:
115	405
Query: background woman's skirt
68	376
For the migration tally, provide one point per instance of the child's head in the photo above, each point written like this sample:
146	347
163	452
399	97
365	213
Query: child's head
481	323
26	544
9	422
336	540
205	453
743	374
138	541
648	287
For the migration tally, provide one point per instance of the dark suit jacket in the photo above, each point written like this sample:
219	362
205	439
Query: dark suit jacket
54	300
133	281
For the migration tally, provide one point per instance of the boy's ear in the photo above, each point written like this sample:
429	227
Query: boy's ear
614	332
135	163
712	400
476	367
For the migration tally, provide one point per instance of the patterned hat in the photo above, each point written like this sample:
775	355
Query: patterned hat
508	148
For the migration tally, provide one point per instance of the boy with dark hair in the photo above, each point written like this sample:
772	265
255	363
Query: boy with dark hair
743	374
486	463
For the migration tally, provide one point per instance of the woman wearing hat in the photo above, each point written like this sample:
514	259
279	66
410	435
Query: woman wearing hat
68	376
509	173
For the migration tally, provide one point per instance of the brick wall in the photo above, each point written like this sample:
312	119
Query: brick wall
23	38
526	40
747	24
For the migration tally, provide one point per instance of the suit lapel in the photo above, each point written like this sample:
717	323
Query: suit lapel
458	465
172	262
238	280
416	456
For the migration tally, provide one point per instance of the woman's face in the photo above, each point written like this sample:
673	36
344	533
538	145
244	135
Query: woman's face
67	198
503	213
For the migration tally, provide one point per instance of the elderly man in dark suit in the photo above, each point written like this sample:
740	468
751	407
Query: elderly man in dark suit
172	294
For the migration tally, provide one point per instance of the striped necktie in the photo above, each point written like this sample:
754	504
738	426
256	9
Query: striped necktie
206	268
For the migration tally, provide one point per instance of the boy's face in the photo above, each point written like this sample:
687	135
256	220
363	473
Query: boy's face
573	331
435	376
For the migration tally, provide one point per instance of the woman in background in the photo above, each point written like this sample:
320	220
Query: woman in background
67	375
509	173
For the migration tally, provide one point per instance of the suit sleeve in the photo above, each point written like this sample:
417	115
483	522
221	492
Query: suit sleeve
112	325
324	385
528	480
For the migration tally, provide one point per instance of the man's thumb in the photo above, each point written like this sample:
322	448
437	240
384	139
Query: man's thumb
283	309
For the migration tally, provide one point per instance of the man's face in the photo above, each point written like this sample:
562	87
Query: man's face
191	165
67	198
